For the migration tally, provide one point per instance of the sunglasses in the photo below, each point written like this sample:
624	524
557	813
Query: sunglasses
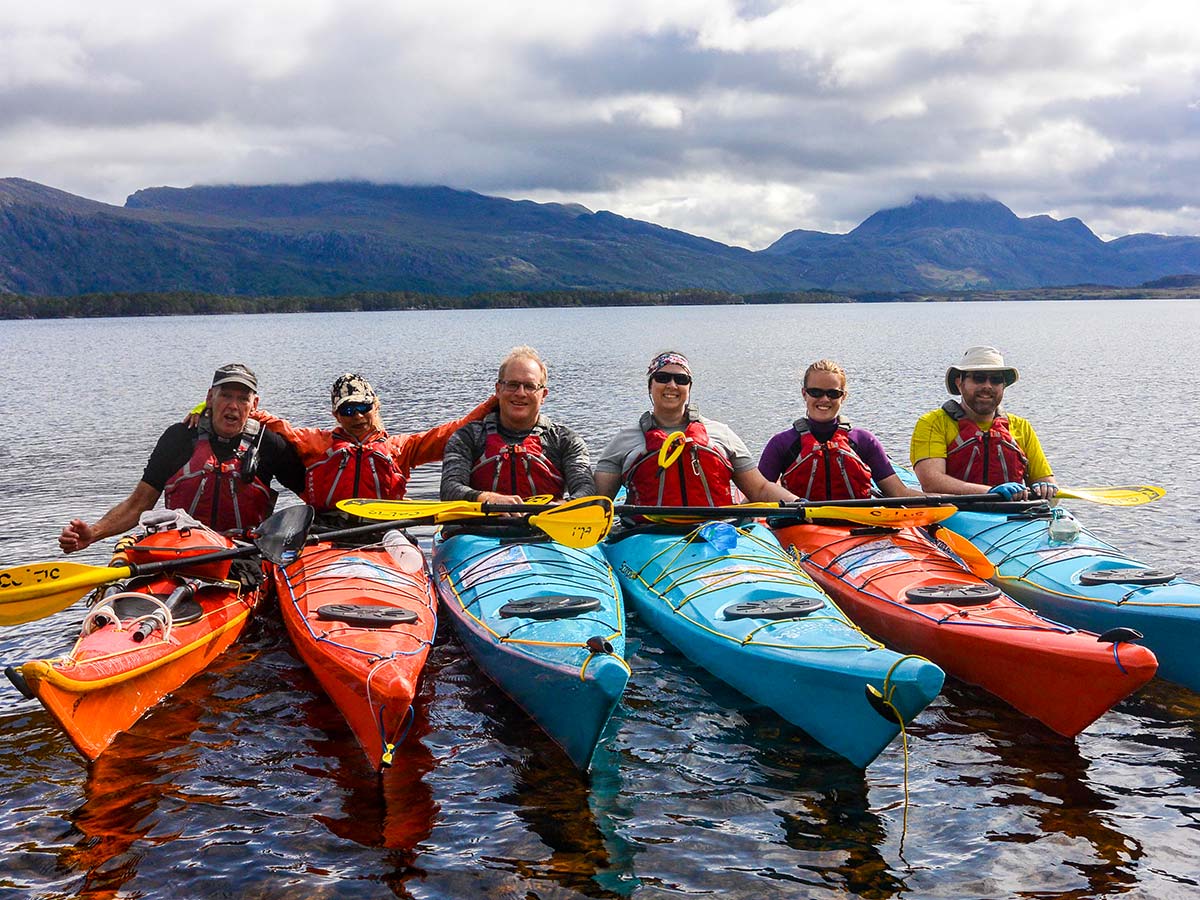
987	378
680	378
354	409
821	393
511	387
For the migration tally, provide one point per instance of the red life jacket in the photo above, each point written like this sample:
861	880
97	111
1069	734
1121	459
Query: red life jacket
353	469
522	469
228	495
699	476
832	470
989	457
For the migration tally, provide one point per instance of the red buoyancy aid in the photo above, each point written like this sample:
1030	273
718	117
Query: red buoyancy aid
521	469
699	476
989	457
352	469
214	491
832	470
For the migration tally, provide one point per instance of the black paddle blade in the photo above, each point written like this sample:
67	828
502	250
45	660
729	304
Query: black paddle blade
280	537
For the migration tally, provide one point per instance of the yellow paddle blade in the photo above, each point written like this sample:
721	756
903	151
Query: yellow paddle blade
884	516
390	510
1126	495
37	590
973	558
580	523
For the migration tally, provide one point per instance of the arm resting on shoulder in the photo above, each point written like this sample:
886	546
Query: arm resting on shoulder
411	450
310	444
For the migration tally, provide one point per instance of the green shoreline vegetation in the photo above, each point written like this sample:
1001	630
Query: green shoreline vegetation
189	303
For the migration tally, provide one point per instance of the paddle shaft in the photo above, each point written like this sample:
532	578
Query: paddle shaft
753	511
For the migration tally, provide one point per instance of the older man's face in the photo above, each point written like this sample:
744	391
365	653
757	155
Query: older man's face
231	405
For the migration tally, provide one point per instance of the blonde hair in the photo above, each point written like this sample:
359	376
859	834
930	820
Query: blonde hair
523	352
825	365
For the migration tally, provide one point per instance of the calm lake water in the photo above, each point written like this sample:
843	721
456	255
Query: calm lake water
246	783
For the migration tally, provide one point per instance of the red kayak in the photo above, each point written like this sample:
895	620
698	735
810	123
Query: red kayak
363	620
900	586
142	638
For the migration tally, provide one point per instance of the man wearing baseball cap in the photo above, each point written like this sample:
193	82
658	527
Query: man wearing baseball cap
358	458
971	445
218	468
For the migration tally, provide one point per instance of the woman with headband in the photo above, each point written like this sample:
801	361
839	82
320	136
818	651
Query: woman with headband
676	457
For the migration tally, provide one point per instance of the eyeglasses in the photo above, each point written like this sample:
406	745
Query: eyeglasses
511	387
988	378
821	393
354	409
680	378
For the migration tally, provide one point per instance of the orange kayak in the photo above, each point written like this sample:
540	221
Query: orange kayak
900	586
142	639
363	620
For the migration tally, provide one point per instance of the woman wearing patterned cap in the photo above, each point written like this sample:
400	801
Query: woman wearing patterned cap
358	458
702	458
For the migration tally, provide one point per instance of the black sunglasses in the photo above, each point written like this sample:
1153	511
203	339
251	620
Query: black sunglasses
680	378
985	378
820	393
353	409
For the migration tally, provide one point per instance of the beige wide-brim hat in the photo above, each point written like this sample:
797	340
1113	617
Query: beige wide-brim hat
979	359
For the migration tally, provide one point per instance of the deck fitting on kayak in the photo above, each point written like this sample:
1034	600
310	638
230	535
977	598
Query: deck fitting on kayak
957	594
548	607
782	608
1127	576
597	644
366	615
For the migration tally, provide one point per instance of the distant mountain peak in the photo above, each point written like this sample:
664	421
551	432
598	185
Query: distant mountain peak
979	213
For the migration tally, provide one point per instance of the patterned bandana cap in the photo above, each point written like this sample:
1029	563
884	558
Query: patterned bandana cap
235	373
351	388
668	359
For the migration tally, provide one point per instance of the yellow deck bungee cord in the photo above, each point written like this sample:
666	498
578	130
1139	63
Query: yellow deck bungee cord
509	638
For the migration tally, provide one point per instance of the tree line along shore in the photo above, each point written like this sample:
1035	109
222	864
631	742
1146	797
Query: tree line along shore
190	303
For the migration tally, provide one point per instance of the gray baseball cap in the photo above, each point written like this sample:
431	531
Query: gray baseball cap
235	373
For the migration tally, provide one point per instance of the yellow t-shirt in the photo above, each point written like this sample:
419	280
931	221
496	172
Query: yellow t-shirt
936	430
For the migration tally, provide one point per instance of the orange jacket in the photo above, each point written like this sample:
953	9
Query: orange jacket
407	450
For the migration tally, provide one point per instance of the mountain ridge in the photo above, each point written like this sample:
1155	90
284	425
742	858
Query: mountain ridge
340	236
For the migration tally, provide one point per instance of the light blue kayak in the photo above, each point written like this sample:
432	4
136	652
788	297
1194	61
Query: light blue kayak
1086	583
729	598
543	621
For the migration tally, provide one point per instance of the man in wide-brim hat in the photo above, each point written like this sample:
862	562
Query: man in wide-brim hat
972	446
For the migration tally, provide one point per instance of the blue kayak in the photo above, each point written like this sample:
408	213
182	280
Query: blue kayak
543	621
729	598
1087	583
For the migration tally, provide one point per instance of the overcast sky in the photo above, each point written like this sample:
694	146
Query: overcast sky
736	121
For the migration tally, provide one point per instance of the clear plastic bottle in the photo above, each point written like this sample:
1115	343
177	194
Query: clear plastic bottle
1064	527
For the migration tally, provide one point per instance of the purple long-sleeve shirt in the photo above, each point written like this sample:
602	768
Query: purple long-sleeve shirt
777	456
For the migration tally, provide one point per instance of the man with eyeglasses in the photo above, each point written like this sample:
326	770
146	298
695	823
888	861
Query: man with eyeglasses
217	467
971	446
516	452
358	458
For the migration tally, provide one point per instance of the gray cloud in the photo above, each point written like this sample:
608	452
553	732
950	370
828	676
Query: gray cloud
737	121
